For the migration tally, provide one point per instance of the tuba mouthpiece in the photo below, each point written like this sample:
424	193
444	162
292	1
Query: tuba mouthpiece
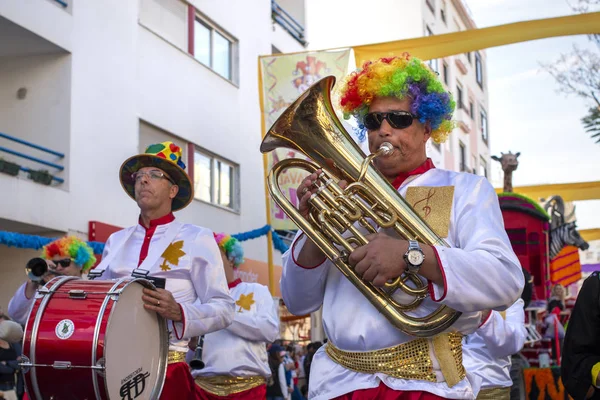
386	148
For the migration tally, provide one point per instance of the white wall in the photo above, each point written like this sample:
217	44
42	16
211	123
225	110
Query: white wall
168	18
42	17
43	116
104	124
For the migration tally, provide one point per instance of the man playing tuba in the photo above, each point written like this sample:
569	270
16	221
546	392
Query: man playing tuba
400	101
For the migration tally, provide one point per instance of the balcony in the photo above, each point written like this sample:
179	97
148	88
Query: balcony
462	118
288	22
460	64
35	26
11	160
35	77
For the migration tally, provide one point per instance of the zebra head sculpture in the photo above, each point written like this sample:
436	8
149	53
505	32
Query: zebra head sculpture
562	234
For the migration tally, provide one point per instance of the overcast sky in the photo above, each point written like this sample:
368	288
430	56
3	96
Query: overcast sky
526	112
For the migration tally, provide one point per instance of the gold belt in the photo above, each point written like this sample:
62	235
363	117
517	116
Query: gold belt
498	393
225	385
176	356
408	360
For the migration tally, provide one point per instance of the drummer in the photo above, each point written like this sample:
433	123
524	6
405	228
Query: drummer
65	256
195	299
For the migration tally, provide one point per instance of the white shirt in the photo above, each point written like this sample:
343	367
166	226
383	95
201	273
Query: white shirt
480	256
19	306
240	349
487	351
196	277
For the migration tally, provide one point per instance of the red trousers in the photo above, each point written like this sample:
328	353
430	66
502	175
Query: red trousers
385	393
179	384
257	393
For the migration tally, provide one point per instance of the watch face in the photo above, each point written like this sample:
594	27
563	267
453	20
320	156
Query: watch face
415	257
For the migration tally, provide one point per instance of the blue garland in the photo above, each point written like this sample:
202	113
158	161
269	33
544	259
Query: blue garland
23	241
278	242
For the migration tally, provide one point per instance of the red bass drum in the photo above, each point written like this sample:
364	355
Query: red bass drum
89	340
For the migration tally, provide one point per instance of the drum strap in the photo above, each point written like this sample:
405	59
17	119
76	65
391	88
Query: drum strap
154	254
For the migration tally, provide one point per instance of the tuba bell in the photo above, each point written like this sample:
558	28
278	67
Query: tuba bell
311	126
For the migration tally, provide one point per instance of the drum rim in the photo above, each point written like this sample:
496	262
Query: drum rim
36	326
164	338
99	319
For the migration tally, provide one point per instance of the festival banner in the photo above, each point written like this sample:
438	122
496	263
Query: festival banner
283	78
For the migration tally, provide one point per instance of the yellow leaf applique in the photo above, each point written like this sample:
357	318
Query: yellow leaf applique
245	301
172	255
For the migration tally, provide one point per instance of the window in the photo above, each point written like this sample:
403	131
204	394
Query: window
478	69
468	56
431	5
459	96
443	11
215	180
433	64
474	164
445	73
484	125
214	48
463	157
471	110
483	166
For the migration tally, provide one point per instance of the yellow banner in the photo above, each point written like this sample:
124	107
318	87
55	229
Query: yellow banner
438	46
283	78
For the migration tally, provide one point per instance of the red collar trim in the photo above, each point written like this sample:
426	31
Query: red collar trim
159	221
234	283
421	169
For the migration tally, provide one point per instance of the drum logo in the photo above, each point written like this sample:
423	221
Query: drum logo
64	329
133	385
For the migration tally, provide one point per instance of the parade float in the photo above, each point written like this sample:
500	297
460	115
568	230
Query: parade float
547	245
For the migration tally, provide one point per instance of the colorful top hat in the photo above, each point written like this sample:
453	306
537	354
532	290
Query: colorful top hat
167	157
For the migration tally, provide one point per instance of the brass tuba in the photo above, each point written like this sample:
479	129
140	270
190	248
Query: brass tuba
311	126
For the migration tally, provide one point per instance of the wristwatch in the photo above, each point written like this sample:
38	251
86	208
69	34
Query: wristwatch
414	257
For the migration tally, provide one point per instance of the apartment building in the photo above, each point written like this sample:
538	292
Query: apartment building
86	84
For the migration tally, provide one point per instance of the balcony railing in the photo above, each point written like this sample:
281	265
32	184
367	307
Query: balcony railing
40	176
287	22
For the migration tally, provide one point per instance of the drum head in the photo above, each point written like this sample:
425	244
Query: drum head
135	348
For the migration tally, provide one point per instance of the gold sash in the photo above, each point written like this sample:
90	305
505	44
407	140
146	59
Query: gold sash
176	356
225	385
408	360
499	393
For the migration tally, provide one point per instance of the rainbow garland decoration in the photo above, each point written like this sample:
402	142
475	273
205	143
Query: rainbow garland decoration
24	241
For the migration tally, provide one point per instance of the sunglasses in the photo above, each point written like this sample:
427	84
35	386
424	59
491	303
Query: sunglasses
396	119
153	175
63	263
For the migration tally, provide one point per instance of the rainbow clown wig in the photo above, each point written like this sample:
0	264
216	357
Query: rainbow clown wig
400	77
231	247
71	247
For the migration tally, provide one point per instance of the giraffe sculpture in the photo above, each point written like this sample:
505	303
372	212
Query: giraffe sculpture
509	164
